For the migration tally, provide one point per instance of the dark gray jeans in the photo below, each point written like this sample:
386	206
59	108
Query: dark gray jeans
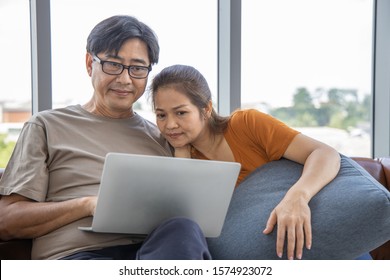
175	239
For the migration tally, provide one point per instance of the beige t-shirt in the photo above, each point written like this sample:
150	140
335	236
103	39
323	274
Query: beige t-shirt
59	156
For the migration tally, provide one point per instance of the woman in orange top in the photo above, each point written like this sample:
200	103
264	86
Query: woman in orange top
182	102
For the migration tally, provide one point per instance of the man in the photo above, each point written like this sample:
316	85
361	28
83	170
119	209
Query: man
50	185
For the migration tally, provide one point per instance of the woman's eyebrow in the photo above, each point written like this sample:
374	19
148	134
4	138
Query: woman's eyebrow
174	108
180	106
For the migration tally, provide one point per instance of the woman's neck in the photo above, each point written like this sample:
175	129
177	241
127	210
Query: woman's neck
214	147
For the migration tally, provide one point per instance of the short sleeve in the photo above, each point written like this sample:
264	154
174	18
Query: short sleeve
28	158
261	132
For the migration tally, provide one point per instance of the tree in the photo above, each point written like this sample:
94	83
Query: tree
340	109
304	108
6	149
302	100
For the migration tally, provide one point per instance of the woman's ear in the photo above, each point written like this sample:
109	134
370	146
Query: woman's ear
209	109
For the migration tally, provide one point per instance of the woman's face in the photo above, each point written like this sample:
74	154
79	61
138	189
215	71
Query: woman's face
179	120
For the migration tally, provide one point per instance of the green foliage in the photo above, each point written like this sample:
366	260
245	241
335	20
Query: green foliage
338	108
6	149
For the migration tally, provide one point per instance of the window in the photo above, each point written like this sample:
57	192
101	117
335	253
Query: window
15	72
309	63
306	62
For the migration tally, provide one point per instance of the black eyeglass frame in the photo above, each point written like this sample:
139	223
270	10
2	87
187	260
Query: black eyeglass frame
129	68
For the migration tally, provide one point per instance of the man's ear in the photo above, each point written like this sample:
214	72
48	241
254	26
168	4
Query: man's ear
88	63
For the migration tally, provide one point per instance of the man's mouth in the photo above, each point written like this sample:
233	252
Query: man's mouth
121	92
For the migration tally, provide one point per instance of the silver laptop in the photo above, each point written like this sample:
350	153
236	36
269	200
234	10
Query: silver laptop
138	192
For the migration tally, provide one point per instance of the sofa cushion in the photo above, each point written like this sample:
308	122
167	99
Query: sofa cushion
350	216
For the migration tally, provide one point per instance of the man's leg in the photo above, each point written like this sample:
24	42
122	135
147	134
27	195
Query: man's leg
175	239
121	252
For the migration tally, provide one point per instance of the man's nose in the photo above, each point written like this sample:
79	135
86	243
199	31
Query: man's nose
124	77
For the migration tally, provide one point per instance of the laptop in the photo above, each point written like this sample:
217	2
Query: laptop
139	192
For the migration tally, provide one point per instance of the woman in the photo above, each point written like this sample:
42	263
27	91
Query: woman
182	102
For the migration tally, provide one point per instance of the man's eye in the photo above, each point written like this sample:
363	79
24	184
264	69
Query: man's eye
137	68
114	64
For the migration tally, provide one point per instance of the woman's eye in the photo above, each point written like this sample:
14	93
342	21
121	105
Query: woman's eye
181	113
160	116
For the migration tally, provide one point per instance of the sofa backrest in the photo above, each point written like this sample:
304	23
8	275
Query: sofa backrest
379	168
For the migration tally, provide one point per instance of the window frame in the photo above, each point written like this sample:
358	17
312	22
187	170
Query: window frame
380	78
41	81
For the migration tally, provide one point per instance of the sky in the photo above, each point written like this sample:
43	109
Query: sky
285	44
305	43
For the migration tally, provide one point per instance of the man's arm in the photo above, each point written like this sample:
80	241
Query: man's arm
24	218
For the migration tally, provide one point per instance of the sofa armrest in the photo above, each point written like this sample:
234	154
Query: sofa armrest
17	249
379	168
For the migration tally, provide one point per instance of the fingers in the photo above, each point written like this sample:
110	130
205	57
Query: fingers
295	241
294	231
300	240
291	243
297	234
308	235
280	238
270	223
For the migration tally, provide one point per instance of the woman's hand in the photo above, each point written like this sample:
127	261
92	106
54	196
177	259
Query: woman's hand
293	219
292	215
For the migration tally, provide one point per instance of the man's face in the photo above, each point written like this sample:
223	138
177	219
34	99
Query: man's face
114	95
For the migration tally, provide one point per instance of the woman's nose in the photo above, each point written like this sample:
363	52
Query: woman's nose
171	123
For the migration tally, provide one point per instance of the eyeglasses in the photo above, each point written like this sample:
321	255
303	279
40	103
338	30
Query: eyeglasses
115	68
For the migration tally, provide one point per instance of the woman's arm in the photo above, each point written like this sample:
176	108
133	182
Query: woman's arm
23	218
292	214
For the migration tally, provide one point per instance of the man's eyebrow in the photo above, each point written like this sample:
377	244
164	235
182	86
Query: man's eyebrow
113	56
136	60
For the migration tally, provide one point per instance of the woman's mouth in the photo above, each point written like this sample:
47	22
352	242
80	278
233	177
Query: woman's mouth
173	136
